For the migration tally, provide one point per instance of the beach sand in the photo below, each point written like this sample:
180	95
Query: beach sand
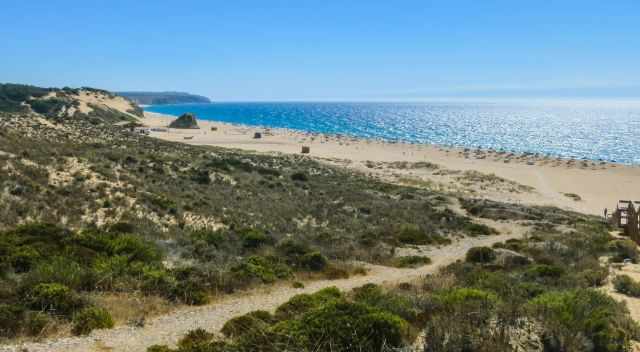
580	185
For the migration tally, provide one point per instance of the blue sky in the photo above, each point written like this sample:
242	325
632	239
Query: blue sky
335	50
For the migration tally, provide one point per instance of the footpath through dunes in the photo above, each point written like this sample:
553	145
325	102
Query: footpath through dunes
170	328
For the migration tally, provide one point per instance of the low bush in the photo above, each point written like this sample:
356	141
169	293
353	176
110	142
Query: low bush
343	326
480	255
195	340
253	238
474	229
54	297
623	249
35	323
302	303
412	234
375	296
91	318
251	322
411	261
543	271
626	285
314	261
10	317
191	292
265	269
576	319
593	277
299	176
335	272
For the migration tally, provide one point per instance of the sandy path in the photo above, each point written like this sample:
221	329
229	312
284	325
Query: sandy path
169	328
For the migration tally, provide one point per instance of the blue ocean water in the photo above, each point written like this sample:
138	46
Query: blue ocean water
595	130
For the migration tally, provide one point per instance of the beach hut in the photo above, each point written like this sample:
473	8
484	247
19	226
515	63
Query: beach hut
257	135
306	149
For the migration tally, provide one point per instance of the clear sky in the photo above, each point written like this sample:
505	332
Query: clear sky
327	49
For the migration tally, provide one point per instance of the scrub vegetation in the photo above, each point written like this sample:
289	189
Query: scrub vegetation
90	208
548	301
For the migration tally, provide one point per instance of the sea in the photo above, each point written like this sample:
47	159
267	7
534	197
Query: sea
599	130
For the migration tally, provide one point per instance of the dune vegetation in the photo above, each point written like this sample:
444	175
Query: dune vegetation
89	207
539	293
91	210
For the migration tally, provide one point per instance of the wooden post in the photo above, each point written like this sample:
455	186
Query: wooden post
631	229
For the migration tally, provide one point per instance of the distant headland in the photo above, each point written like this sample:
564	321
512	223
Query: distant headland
164	98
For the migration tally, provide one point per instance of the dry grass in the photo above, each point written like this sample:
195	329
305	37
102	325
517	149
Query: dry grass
126	308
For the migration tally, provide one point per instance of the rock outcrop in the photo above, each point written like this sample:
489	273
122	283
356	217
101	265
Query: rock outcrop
186	121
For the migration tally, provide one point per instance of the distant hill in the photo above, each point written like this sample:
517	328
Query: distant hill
163	98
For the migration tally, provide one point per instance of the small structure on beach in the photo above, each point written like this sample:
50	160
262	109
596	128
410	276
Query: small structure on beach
306	149
627	218
257	135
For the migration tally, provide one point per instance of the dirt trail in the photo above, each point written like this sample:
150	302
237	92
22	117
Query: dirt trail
170	328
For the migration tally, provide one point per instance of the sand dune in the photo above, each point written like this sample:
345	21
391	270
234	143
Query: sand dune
557	182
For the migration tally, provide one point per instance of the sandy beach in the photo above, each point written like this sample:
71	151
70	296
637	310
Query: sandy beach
581	185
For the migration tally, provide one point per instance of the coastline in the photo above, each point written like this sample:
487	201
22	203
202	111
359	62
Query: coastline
555	181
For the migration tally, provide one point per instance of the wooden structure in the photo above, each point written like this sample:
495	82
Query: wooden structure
627	218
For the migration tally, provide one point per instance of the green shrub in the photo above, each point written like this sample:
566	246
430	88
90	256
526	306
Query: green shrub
411	261
314	261
194	340
412	234
10	318
299	176
459	320
63	271
254	321
110	270
54	297
334	272
623	249
91	318
135	248
543	271
343	326
49	106
157	281
215	238
265	269
292	250
36	322
302	303
374	296
474	229
23	259
466	296
594	277
121	227
480	255
626	285
190	292
253	238
568	317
